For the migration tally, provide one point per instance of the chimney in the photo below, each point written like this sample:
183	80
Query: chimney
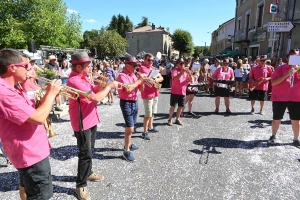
153	27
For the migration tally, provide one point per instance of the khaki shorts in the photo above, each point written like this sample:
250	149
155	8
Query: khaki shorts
150	106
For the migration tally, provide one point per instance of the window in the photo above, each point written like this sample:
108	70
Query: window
239	24
260	15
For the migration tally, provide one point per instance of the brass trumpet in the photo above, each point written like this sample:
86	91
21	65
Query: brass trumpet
103	81
66	91
254	86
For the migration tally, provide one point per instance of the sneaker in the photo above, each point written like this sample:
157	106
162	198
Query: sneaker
132	147
252	111
228	111
296	143
95	177
170	123
261	112
217	111
83	193
58	108
178	122
8	162
153	130
272	140
145	136
128	156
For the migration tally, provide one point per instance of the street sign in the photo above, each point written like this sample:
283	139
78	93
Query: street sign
280	26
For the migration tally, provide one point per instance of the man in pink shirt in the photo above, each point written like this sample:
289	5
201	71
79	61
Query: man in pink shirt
129	102
286	94
84	119
260	76
180	78
149	95
223	73
22	132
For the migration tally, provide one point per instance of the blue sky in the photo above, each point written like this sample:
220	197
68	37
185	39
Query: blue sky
199	17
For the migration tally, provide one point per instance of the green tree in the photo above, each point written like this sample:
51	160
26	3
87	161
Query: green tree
113	25
144	22
183	42
46	22
111	44
197	51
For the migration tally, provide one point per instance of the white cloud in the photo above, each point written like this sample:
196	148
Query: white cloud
71	11
91	21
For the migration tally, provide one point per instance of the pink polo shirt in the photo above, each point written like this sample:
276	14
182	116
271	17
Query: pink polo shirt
149	92
179	86
283	92
258	72
24	143
223	74
127	78
89	112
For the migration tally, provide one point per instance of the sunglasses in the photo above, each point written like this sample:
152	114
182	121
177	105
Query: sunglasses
150	60
181	63
22	64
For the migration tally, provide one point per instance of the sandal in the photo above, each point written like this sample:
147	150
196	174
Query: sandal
170	123
178	122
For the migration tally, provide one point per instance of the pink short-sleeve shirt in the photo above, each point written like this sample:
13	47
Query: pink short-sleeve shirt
149	92
257	72
223	74
127	78
89	112
283	92
24	143
179	86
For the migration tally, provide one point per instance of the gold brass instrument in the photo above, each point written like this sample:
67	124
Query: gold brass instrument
103	81
47	124
254	86
153	83
66	91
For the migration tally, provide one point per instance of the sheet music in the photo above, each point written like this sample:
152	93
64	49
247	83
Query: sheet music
153	74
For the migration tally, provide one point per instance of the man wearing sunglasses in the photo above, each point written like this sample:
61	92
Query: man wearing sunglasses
129	102
180	78
260	75
149	96
22	132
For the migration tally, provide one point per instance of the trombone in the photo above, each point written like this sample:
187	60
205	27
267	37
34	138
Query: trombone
66	91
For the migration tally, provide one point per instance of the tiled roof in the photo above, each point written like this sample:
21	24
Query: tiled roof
146	29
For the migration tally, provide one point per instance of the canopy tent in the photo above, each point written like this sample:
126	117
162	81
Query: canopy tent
225	51
235	53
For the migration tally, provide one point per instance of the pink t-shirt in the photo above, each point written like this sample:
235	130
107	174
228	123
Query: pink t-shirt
89	112
149	92
283	92
127	78
223	74
258	72
179	86
30	84
24	143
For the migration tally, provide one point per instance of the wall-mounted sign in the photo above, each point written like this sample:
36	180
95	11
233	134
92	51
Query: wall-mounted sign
259	36
273	8
280	26
277	19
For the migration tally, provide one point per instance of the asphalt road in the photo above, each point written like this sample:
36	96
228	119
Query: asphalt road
210	157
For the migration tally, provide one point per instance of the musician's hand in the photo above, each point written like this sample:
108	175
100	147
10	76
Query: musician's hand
54	87
114	84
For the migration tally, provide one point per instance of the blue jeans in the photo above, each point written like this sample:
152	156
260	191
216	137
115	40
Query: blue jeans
3	153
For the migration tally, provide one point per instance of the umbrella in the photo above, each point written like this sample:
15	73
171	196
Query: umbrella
235	53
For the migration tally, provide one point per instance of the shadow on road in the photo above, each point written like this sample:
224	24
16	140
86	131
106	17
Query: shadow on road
67	152
210	145
12	182
261	123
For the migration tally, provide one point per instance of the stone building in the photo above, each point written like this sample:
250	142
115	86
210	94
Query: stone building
149	39
251	27
222	37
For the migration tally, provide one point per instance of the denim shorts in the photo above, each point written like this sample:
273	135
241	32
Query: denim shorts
129	110
64	81
37	180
